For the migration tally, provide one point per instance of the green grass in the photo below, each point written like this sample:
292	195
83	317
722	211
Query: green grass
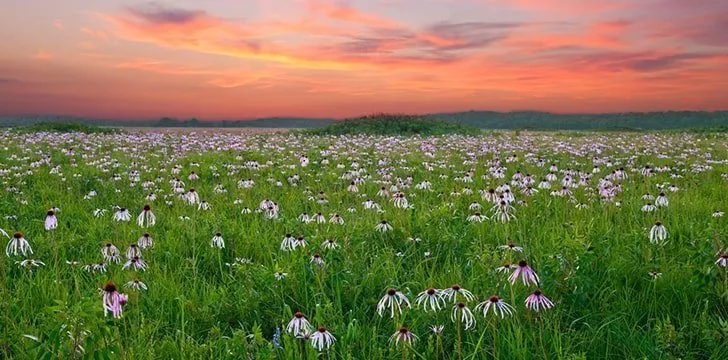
395	124
65	127
593	262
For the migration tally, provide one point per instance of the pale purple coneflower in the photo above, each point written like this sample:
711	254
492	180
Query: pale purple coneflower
658	233
145	241
456	290
537	301
122	215
497	305
512	247
217	241
717	214
661	200
337	219
316	259
288	243
298	324
132	251
461	313
136	263
330	244
279	275
30	263
99	212
437	329
527	274
18	243
476	217
322	339
192	197
51	222
136	284
392	300
146	218
204	206
403	335
111	253
113	300
383	226
430	300
722	260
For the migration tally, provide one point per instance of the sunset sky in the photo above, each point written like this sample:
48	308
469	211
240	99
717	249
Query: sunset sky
233	59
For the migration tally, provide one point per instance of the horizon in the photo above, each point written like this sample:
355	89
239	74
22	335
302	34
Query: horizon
335	59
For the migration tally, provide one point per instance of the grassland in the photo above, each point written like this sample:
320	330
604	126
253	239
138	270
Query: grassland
616	293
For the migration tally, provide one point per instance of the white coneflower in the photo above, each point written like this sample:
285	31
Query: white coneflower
145	241
217	241
430	300
537	301
279	275
111	253
403	335
655	274
322	339
298	324
649	207
246	210
497	305
136	263
50	221
122	215
203	205
461	313
392	300
658	233
662	200
136	284
316	259
18	243
717	214
383	226
146	218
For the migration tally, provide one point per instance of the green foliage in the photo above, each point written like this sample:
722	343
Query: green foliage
395	124
65	127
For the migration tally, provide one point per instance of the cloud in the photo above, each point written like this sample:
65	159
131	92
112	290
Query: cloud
58	24
43	55
343	12
155	13
98	35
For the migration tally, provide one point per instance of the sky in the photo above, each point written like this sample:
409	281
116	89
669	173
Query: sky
237	59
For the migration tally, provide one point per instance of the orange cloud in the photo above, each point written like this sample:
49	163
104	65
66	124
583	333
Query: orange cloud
43	55
98	35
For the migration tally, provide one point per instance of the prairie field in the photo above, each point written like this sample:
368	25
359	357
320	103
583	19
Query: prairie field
252	245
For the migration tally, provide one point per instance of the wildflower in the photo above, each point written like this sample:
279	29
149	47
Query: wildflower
133	251
192	197
658	233
18	243
203	205
337	219
661	200
112	300
50	221
452	293
511	247
99	212
146	218
217	241
136	263
649	207
527	274
476	217
317	259
322	339
392	299
722	260
145	241
330	244
288	243
430	299
498	306
403	335
298	324
122	215
136	284
30	263
717	214
437	329
111	253
383	226
507	267
461	313
537	301
655	274
280	275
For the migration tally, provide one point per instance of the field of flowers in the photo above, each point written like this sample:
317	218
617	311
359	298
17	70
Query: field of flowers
188	245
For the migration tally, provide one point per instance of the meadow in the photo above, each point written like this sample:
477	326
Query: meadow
226	245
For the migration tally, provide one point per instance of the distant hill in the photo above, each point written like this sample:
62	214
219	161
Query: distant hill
524	120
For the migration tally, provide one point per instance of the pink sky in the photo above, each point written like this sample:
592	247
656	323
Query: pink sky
232	59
